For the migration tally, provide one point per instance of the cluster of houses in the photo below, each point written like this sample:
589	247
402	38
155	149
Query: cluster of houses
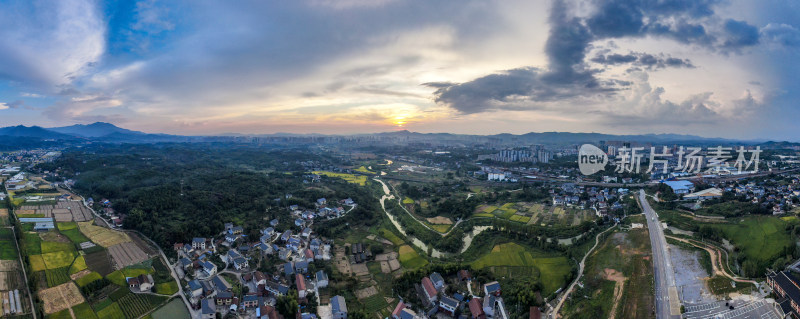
215	295
106	208
781	194
195	257
603	199
436	302
297	246
360	253
323	209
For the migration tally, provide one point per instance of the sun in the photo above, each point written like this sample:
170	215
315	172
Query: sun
400	120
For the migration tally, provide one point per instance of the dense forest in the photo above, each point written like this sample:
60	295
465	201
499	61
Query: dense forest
172	192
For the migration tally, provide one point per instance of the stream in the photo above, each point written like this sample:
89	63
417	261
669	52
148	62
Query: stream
433	252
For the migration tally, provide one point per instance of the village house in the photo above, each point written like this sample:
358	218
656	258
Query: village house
492	288
322	279
448	305
224	298
438	281
208	309
476	309
195	289
429	290
142	282
198	243
300	282
402	312
338	307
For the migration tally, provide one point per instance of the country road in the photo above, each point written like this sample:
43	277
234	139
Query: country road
194	313
554	312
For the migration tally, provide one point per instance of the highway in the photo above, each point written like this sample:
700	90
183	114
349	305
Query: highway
666	294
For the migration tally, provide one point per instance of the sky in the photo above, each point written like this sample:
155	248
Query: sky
716	68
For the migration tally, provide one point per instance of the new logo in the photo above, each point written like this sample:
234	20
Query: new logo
591	159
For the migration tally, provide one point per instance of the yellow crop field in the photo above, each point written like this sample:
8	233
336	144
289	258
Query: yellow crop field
350	178
103	236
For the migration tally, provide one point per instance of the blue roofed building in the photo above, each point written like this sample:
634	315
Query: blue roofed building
338	307
680	187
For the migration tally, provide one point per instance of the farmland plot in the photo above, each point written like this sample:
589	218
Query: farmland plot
126	254
60	297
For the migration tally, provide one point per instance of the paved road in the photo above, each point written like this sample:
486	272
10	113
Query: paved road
665	291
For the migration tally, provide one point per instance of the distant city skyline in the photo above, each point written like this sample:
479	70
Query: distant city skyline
703	67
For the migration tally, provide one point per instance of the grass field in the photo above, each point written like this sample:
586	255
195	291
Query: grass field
78	265
58	259
392	237
84	311
167	288
350	178
488	209
118	277
440	227
623	256
51	247
520	218
67	226
103	236
8	249
410	259
75	235
760	238
408	200
551	269
364	170
720	285
37	263
506	211
111	312
56	276
174	309
85	280
375	303
33	244
63	314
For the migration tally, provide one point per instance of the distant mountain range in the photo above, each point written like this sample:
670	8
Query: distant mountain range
106	132
99	131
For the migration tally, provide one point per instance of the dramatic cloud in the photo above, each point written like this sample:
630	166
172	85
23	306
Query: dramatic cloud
50	44
571	36
361	65
645	60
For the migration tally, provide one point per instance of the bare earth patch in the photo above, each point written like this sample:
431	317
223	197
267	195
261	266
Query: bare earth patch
60	297
619	279
8	265
366	292
80	274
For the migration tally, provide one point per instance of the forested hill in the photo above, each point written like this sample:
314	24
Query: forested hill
220	184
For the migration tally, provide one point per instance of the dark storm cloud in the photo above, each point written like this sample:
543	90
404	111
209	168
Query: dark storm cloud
571	38
645	60
740	34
